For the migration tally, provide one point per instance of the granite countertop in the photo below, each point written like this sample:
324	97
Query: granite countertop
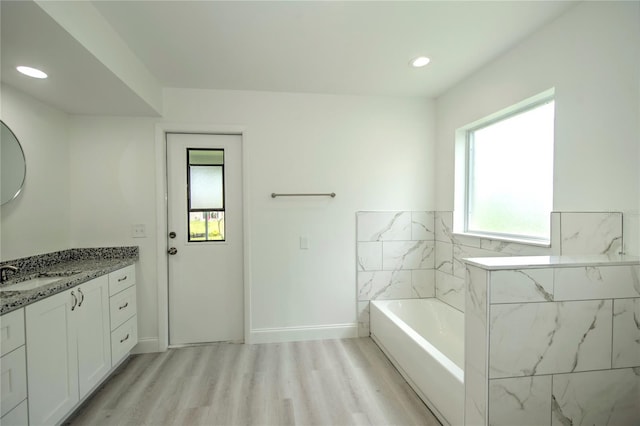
528	262
72	269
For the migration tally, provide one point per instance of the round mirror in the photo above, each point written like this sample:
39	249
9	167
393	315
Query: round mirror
13	168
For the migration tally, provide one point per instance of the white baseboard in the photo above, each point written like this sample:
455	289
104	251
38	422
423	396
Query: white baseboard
146	345
295	334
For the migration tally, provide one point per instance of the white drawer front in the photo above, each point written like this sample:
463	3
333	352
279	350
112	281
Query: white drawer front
121	279
122	306
13	382
19	416
11	331
123	339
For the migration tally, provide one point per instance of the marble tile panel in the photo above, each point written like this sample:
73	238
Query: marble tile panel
422	226
506	248
607	397
450	289
476	347
461	252
423	282
591	233
597	282
554	337
626	333
556	240
383	226
631	233
370	256
385	285
363	319
522	285
407	255
520	401
443	222
444	257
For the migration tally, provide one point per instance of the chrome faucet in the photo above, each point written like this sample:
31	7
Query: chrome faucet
4	270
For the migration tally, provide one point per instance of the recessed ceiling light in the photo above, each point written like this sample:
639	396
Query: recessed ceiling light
31	72
420	61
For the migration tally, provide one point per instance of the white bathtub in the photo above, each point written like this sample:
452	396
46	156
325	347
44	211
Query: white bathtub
424	338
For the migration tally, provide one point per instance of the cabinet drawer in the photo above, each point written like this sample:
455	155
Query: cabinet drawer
121	279
123	339
13	382
122	306
11	331
19	416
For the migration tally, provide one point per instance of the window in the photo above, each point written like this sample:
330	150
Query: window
509	174
205	194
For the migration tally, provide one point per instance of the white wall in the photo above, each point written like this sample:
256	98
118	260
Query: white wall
375	153
590	55
112	170
38	220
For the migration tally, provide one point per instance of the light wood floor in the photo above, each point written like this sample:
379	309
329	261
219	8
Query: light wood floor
329	382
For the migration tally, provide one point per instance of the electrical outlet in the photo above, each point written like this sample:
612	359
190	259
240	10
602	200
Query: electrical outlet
138	231
304	243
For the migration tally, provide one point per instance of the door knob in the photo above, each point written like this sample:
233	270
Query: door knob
172	251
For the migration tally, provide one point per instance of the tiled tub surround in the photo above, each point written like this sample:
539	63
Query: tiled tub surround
552	340
572	233
86	263
406	255
395	258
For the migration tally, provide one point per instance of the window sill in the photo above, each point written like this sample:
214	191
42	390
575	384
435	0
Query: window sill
515	240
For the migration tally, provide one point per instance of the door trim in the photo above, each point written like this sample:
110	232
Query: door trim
161	222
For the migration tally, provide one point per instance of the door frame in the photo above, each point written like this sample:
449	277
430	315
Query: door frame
161	221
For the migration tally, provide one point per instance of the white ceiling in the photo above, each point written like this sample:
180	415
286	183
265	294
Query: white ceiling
338	47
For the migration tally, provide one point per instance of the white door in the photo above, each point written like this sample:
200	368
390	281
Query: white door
204	236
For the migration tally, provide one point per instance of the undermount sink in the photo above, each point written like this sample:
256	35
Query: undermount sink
30	284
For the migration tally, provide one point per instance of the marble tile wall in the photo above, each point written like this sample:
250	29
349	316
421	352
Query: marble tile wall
395	258
571	233
563	345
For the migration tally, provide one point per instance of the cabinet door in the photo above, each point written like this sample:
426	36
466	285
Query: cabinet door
94	332
52	358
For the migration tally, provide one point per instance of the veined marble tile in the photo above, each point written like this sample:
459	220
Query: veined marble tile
450	289
406	255
423	282
363	319
626	333
555	337
475	347
444	226
384	226
461	251
597	282
522	285
385	285
370	256
597	398
591	233
520	401
556	238
444	257
422	226
631	233
506	248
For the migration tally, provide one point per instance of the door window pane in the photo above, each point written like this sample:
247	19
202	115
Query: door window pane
205	193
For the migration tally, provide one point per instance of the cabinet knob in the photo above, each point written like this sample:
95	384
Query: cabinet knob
172	251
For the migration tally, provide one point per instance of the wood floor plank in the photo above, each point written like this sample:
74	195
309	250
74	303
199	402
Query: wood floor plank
328	382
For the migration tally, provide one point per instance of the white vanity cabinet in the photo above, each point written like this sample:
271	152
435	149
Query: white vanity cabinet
68	349
13	382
